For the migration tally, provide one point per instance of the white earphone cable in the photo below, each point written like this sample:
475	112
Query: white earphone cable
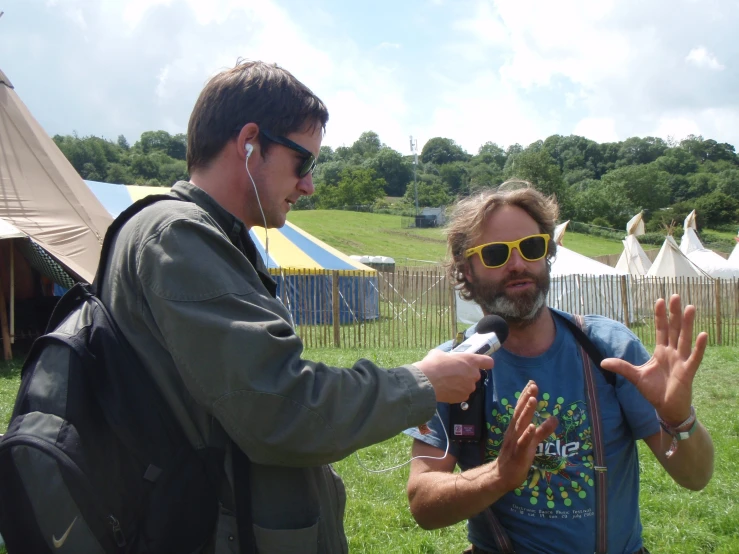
259	203
446	451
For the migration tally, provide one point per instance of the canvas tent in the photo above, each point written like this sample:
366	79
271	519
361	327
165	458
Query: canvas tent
52	224
574	278
707	260
43	195
734	257
298	262
634	260
671	262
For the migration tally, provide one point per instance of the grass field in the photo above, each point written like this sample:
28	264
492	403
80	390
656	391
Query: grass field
675	520
382	235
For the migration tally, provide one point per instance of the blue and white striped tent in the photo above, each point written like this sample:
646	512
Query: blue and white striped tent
303	266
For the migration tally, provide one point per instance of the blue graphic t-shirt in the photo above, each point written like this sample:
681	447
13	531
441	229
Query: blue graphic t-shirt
553	510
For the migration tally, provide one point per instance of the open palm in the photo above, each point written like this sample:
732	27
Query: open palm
666	380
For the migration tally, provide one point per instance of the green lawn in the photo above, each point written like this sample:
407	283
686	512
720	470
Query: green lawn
382	235
372	235
675	520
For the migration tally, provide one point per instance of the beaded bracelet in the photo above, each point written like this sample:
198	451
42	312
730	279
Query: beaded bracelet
679	432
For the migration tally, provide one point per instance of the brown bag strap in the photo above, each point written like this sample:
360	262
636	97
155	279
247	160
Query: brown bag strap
600	469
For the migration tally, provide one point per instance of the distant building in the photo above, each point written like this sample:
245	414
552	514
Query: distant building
430	217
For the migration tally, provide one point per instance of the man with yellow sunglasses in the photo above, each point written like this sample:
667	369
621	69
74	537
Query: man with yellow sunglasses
557	467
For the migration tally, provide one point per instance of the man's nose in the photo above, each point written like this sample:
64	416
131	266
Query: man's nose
516	261
305	185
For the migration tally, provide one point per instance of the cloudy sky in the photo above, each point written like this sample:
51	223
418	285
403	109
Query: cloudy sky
505	71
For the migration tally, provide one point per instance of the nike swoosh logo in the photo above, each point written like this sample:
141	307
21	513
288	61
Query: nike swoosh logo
58	543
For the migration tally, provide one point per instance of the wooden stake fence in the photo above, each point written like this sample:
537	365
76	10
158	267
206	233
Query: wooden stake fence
416	308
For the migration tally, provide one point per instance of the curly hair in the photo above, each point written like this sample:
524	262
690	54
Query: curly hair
469	215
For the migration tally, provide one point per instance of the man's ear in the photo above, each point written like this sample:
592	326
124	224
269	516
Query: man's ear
466	270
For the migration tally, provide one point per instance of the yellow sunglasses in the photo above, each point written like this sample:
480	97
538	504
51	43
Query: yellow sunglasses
496	254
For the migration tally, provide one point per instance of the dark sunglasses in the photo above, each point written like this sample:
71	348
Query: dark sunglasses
309	164
496	254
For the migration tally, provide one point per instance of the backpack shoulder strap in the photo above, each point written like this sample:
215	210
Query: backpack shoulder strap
587	345
116	226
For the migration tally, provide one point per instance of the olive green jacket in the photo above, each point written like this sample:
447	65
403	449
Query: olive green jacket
191	294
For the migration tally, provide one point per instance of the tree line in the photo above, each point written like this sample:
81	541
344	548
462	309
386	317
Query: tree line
604	184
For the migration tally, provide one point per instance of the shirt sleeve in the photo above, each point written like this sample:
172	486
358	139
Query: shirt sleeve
436	431
241	360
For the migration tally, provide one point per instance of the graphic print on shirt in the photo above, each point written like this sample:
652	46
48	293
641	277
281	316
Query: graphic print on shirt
561	475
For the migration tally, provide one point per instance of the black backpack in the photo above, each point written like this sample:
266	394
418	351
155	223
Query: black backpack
93	459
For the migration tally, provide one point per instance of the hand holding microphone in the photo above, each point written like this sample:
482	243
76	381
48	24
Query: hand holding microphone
455	375
467	419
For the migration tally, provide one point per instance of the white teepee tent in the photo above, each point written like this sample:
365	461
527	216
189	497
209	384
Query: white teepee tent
671	262
707	260
734	257
634	260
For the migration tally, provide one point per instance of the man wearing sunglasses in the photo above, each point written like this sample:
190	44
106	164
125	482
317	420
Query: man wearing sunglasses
537	481
193	297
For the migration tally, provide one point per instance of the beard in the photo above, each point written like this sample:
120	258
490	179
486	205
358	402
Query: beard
519	310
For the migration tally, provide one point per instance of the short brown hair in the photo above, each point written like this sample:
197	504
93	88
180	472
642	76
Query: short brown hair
469	215
251	92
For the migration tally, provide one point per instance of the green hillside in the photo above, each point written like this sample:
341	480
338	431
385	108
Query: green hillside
383	235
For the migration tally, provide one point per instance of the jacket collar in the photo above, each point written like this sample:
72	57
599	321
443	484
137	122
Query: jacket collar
237	232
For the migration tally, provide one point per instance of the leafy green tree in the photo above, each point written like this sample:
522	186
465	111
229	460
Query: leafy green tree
455	177
119	174
718	166
716	208
598	202
441	151
490	153
178	147
577	175
701	184
708	150
329	173
644	186
144	168
431	193
485	176
394	168
539	168
728	182
123	143
90	173
368	144
342	153
636	150
357	187
326	154
677	161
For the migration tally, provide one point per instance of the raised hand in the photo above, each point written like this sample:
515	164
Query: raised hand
666	380
521	439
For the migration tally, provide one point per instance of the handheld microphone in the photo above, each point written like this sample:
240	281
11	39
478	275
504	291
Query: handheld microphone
467	419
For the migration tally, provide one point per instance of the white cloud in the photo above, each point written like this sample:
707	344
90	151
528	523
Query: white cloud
608	70
474	70
599	129
703	58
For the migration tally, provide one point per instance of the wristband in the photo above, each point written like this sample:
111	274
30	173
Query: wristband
680	432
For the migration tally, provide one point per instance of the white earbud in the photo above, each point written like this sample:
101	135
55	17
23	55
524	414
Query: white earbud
249	149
